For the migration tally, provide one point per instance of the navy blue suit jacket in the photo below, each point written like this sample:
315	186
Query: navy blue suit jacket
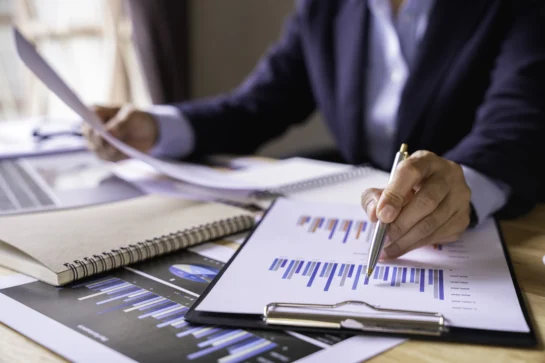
475	94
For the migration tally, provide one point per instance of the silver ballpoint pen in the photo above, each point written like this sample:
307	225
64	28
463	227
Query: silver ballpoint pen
380	228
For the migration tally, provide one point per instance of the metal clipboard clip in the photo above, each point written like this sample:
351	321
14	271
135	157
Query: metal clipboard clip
378	320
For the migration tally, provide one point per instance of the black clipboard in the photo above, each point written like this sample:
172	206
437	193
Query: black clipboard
392	322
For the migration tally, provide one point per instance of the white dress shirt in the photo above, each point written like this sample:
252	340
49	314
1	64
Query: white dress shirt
393	42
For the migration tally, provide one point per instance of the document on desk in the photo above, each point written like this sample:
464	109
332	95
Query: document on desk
304	252
137	314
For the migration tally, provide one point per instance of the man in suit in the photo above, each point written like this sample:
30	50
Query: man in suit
461	82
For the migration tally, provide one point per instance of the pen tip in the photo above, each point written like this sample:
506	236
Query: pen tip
404	148
369	272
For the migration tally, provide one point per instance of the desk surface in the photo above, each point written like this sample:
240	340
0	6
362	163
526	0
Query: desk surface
525	238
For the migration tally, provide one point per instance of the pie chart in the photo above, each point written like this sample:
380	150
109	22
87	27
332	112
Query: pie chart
196	273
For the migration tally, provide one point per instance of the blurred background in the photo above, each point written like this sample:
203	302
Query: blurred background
143	52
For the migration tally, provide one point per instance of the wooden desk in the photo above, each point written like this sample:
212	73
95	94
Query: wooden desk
525	238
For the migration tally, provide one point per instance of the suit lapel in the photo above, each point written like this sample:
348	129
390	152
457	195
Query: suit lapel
350	41
450	24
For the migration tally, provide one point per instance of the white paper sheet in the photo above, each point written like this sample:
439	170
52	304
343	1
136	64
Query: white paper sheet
79	347
317	253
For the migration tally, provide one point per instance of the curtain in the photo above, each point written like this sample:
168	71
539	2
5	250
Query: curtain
160	35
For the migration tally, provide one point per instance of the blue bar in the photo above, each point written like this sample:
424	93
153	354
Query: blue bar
412	273
366	281
274	263
404	276
253	353
358	273
284	263
123	294
154	305
313	275
299	267
306	268
422	279
323	269
441	292
207	351
377	271
394	275
287	272
351	271
330	277
157	311
219	336
430	277
170	314
94	285
245	344
321	222
120	289
347	231
171	320
138	297
386	273
188	331
342	269
333	229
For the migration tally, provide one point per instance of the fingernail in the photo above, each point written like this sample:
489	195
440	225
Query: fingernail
387	214
383	256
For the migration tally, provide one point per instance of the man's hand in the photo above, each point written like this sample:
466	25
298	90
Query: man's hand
427	201
134	127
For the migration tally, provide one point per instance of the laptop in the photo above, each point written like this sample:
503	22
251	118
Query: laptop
35	184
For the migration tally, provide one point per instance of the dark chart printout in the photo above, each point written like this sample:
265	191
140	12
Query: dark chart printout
133	313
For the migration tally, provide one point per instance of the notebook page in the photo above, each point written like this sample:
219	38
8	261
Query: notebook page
60	237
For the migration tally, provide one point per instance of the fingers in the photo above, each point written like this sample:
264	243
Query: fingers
419	231
407	177
449	231
105	112
426	201
369	200
113	120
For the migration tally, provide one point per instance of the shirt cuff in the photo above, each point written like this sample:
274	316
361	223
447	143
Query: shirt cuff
176	137
487	195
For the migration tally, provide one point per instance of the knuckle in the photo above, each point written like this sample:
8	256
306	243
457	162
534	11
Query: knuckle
393	198
395	230
409	169
424	154
428	225
427	201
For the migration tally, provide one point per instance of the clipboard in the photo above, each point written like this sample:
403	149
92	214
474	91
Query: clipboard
322	318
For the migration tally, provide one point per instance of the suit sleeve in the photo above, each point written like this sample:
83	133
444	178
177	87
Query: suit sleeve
276	95
507	141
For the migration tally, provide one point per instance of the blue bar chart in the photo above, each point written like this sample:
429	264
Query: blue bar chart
323	275
114	294
343	230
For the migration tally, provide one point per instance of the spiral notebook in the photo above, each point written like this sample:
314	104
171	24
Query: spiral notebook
62	246
313	180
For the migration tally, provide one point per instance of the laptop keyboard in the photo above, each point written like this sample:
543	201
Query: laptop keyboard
19	191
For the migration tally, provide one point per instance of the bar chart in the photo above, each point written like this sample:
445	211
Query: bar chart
324	275
338	229
114	294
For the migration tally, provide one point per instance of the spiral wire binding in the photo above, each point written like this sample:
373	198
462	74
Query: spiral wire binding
313	183
157	246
